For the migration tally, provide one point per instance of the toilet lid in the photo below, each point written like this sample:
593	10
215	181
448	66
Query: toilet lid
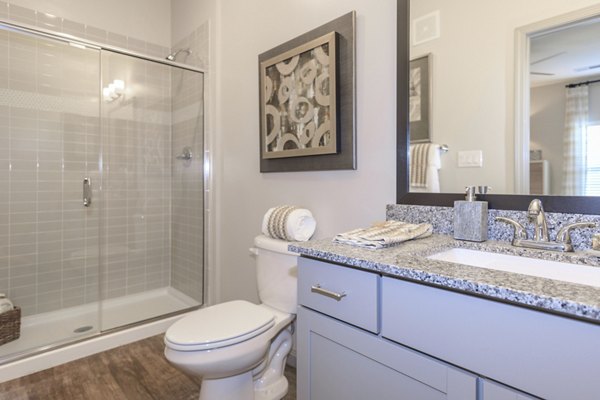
219	325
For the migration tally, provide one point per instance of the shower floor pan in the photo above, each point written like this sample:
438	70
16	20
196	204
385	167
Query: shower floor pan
74	323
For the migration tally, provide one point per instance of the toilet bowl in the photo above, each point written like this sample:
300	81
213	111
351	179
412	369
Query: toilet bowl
240	348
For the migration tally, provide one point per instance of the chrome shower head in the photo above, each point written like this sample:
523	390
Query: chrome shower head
173	55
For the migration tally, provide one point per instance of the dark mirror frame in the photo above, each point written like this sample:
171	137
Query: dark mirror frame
565	204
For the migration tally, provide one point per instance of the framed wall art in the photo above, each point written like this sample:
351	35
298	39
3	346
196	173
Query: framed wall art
307	101
299	101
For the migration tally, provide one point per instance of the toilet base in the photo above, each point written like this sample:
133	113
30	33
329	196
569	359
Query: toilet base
241	387
272	383
275	390
237	387
269	383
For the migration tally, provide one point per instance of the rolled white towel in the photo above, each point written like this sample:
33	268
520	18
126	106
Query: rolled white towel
300	225
289	223
265	222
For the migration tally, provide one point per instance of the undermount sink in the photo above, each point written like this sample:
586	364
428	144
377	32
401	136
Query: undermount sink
560	271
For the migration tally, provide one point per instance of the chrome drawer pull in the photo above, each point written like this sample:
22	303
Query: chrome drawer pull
319	290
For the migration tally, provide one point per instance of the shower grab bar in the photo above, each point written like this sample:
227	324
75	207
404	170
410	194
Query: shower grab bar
87	192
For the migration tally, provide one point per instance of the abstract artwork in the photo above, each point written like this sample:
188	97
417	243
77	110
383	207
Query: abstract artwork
307	100
419	99
298	100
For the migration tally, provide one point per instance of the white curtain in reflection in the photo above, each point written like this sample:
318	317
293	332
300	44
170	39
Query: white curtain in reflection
574	141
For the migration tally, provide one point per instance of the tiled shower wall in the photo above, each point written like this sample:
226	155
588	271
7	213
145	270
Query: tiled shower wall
197	42
188	185
188	88
50	139
97	34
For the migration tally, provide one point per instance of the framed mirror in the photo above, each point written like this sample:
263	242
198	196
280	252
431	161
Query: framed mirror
492	67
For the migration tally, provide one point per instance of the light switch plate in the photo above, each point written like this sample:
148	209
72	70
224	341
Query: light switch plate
470	159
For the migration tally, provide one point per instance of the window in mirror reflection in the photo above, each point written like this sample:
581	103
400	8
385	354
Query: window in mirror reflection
592	187
565	100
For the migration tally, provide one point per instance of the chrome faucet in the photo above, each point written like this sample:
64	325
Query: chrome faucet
541	241
535	214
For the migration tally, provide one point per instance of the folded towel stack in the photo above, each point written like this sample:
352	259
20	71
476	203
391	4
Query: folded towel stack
384	234
289	223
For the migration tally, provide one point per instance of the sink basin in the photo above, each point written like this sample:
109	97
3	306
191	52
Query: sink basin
559	271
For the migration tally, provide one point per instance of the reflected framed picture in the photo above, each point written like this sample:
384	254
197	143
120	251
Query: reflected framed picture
307	100
419	98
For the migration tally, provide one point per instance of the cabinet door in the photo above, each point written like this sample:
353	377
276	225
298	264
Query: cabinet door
494	391
340	362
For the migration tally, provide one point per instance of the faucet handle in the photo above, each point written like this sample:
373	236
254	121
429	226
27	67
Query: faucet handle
564	233
470	194
519	231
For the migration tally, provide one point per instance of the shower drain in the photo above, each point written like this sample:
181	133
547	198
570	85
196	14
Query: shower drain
82	329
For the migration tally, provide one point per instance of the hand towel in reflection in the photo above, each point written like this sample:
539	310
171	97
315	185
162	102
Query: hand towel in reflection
424	164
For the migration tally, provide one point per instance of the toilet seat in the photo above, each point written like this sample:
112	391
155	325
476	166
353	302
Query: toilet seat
220	325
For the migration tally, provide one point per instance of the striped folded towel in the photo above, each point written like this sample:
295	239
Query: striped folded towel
384	234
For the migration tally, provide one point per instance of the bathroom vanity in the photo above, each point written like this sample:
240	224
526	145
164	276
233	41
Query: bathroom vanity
395	324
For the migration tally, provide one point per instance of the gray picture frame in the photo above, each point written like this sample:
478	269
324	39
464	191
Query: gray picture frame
344	156
420	99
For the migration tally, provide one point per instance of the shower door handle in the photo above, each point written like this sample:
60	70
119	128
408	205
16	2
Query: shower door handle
87	192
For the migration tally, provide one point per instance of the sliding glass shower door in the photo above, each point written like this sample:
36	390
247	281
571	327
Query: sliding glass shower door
152	125
137	163
49	146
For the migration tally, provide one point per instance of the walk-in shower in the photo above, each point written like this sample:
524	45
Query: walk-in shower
101	219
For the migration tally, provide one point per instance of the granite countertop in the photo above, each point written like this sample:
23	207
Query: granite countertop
408	260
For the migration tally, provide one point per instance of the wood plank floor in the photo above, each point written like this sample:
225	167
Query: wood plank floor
137	371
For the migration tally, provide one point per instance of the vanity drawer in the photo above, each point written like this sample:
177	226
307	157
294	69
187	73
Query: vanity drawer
319	282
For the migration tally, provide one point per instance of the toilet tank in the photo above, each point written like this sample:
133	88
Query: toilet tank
276	273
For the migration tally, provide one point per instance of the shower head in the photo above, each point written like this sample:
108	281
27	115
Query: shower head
173	55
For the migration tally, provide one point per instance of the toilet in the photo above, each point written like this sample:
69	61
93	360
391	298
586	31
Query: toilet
240	348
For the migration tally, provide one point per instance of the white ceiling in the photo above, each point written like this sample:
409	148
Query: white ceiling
568	54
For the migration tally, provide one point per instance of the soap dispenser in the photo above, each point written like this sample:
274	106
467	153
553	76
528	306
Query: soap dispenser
471	216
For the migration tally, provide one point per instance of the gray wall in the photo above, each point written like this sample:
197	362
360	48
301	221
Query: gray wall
241	30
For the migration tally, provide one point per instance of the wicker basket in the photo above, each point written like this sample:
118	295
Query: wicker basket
10	325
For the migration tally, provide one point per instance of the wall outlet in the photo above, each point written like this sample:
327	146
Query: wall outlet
469	159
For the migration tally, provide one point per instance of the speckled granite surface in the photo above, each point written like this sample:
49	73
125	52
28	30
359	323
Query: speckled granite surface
442	220
407	260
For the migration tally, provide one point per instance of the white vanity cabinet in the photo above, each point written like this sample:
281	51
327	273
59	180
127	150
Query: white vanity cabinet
366	336
549	356
341	354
